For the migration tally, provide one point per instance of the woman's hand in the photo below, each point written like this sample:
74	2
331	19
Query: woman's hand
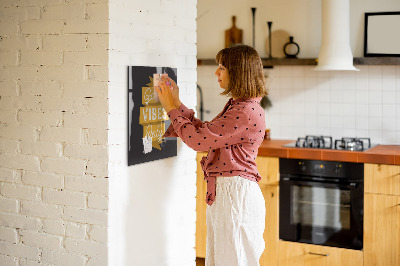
175	90
165	96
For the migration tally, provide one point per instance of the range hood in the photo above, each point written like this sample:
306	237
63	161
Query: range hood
335	52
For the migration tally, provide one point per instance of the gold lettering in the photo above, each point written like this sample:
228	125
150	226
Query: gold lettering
151	114
148	95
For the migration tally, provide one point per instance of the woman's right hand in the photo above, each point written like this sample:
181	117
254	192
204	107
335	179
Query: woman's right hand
175	91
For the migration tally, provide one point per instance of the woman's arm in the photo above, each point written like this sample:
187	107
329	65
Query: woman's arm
186	112
232	128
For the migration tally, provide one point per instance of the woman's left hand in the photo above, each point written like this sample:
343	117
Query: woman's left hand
165	96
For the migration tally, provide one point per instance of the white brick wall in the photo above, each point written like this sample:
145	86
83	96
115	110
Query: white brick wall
63	132
53	132
152	205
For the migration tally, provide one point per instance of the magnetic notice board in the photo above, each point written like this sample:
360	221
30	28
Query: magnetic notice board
382	34
147	120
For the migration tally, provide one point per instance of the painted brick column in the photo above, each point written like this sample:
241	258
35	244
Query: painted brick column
63	96
152	205
53	132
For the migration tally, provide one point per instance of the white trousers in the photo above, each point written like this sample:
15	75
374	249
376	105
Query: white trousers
235	223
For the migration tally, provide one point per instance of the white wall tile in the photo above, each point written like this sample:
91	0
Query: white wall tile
348	132
362	110
375	123
366	101
362	123
349	122
310	108
336	108
362	78
363	133
389	136
348	109
323	121
389	110
349	96
323	95
375	110
336	121
376	136
389	97
336	96
362	97
389	124
323	109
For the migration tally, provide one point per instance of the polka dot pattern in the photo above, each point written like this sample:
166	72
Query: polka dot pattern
232	139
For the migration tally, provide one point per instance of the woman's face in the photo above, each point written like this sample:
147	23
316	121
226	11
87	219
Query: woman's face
223	76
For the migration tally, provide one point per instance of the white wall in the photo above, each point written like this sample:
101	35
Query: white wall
53	133
337	103
301	19
152	205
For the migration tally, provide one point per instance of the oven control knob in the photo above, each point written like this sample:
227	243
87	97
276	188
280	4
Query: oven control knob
338	168
302	166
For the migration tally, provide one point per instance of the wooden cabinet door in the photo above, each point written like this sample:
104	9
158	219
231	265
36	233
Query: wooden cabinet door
299	254
381	230
201	205
268	167
271	232
382	179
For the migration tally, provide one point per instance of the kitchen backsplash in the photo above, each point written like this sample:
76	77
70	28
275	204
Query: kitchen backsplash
365	103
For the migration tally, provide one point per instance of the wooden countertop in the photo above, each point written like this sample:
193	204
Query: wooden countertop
380	154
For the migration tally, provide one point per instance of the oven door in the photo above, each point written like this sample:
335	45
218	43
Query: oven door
321	212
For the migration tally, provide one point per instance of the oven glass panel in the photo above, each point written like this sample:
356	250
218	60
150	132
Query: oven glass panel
321	207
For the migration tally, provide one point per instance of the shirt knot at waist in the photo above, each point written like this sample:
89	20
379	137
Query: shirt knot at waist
210	196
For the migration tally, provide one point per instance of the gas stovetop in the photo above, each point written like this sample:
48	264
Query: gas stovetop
326	142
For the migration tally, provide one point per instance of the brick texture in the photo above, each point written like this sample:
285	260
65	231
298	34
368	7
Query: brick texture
141	35
53	132
63	90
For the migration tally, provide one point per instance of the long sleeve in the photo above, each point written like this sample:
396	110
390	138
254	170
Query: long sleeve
187	113
233	127
232	139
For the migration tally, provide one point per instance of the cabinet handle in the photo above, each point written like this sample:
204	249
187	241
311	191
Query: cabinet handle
318	254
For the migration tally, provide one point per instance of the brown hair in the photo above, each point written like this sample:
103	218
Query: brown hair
245	69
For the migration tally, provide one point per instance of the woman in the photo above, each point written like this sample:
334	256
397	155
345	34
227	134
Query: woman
236	211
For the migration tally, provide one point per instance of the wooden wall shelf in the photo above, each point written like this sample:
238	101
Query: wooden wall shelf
269	63
377	61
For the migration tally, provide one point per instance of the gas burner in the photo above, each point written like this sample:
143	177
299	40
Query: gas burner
353	144
325	142
322	142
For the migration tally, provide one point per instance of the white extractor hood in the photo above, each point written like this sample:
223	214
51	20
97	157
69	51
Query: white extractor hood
335	52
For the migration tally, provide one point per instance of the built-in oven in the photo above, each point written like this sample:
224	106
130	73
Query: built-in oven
321	202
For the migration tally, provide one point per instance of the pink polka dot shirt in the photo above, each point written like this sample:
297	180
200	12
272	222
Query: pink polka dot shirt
232	139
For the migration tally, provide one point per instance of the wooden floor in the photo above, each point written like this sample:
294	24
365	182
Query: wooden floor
200	262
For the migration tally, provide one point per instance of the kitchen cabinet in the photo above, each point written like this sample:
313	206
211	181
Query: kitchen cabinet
381	221
201	205
269	185
382	179
271	232
269	170
382	215
300	254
